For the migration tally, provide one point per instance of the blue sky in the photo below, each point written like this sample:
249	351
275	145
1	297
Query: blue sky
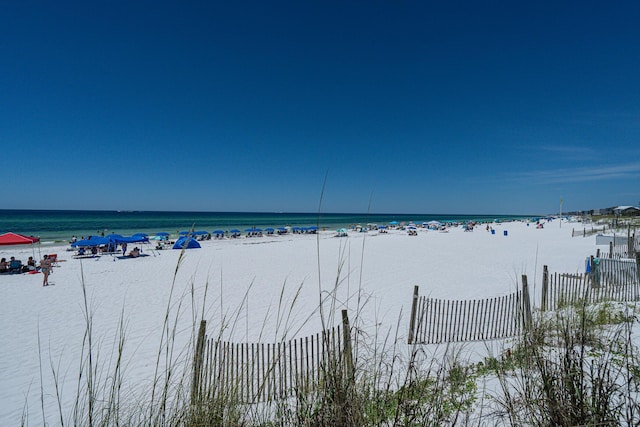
404	107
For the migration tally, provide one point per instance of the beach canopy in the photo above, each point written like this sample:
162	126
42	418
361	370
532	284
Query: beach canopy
132	239
218	232
91	242
162	233
17	239
186	243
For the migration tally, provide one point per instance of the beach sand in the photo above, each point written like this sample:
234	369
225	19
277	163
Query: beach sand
261	289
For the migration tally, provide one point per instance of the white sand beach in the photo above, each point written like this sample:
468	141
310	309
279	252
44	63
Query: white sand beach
371	275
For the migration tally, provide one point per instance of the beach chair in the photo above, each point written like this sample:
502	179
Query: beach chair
15	266
54	259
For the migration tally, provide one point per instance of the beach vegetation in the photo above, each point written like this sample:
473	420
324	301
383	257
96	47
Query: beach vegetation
578	365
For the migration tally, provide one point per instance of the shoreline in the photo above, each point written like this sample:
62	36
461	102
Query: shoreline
60	226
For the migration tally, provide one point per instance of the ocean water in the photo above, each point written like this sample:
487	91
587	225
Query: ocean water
59	226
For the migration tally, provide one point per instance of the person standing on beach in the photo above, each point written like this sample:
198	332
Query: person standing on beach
45	267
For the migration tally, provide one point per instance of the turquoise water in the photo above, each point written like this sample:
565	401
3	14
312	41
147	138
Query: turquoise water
60	226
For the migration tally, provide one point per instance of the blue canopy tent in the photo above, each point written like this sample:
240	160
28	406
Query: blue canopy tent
90	242
186	243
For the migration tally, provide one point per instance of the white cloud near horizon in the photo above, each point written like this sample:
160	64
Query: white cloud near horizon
581	174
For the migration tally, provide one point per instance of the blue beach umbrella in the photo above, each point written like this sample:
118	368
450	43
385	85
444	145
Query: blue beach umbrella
162	233
234	231
218	232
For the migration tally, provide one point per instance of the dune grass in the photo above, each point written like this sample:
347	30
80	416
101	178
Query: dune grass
579	366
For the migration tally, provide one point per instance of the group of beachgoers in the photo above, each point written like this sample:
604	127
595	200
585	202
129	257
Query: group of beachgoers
15	266
93	251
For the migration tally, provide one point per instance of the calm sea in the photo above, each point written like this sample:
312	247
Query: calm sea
60	226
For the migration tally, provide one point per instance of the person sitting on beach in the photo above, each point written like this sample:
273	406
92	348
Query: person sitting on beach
31	265
135	253
4	265
15	265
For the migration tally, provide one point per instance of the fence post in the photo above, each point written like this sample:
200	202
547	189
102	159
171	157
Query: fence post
348	353
545	287
629	242
611	246
526	304
412	321
198	357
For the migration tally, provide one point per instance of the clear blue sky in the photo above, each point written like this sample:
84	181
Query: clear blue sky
406	107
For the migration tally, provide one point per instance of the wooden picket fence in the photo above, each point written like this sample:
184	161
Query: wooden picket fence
259	372
435	321
585	232
608	280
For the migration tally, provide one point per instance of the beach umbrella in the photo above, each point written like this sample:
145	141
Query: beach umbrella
162	233
218	232
249	230
394	223
234	231
140	235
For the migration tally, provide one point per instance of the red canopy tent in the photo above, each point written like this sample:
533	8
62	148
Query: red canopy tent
16	239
